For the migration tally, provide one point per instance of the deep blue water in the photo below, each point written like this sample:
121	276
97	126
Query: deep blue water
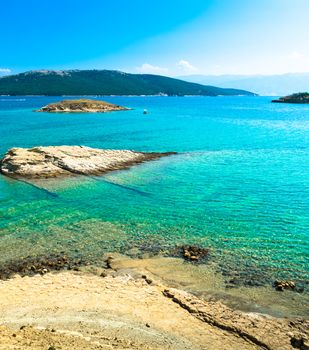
239	185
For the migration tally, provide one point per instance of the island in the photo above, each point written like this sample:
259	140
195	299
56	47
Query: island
301	97
53	161
81	106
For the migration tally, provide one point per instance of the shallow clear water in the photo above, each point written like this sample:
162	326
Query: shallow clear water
239	185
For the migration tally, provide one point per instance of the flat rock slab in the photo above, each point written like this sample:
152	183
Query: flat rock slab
79	310
55	161
81	106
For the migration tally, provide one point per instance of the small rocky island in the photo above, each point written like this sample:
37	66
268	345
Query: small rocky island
301	97
52	161
81	106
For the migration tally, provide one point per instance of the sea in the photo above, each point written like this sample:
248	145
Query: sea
238	185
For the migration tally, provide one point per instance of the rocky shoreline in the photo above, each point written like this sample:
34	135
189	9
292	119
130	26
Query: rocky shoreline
58	297
53	161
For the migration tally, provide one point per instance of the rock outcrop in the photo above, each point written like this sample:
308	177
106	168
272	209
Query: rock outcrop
282	285
135	313
265	332
81	106
194	253
302	97
54	161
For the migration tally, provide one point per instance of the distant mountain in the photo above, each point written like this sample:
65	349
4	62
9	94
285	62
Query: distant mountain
103	82
268	85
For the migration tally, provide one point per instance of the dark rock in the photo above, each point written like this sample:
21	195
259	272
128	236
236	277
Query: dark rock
147	280
194	253
282	285
108	262
300	343
39	265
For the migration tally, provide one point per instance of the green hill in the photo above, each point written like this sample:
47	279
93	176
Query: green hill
103	82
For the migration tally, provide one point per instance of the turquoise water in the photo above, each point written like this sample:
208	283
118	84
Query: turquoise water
239	185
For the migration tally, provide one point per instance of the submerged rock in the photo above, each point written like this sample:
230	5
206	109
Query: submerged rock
39	265
53	161
194	253
300	342
281	285
80	106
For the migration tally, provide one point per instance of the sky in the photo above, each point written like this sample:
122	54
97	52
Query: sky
166	37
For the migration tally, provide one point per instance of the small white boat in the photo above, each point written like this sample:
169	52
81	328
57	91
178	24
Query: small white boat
145	111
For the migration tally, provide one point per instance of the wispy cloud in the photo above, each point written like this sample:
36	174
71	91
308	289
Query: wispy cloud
150	69
5	71
186	66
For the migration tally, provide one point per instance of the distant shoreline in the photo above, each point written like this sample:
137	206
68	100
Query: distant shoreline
94	96
105	82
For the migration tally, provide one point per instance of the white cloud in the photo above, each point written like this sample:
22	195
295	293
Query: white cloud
295	61
5	70
186	66
150	69
295	55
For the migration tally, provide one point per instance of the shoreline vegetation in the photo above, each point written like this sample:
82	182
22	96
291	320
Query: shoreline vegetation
124	303
298	98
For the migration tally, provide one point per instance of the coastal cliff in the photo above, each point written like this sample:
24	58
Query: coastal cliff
54	161
80	106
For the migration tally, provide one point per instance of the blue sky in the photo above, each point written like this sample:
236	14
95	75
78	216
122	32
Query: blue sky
162	37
